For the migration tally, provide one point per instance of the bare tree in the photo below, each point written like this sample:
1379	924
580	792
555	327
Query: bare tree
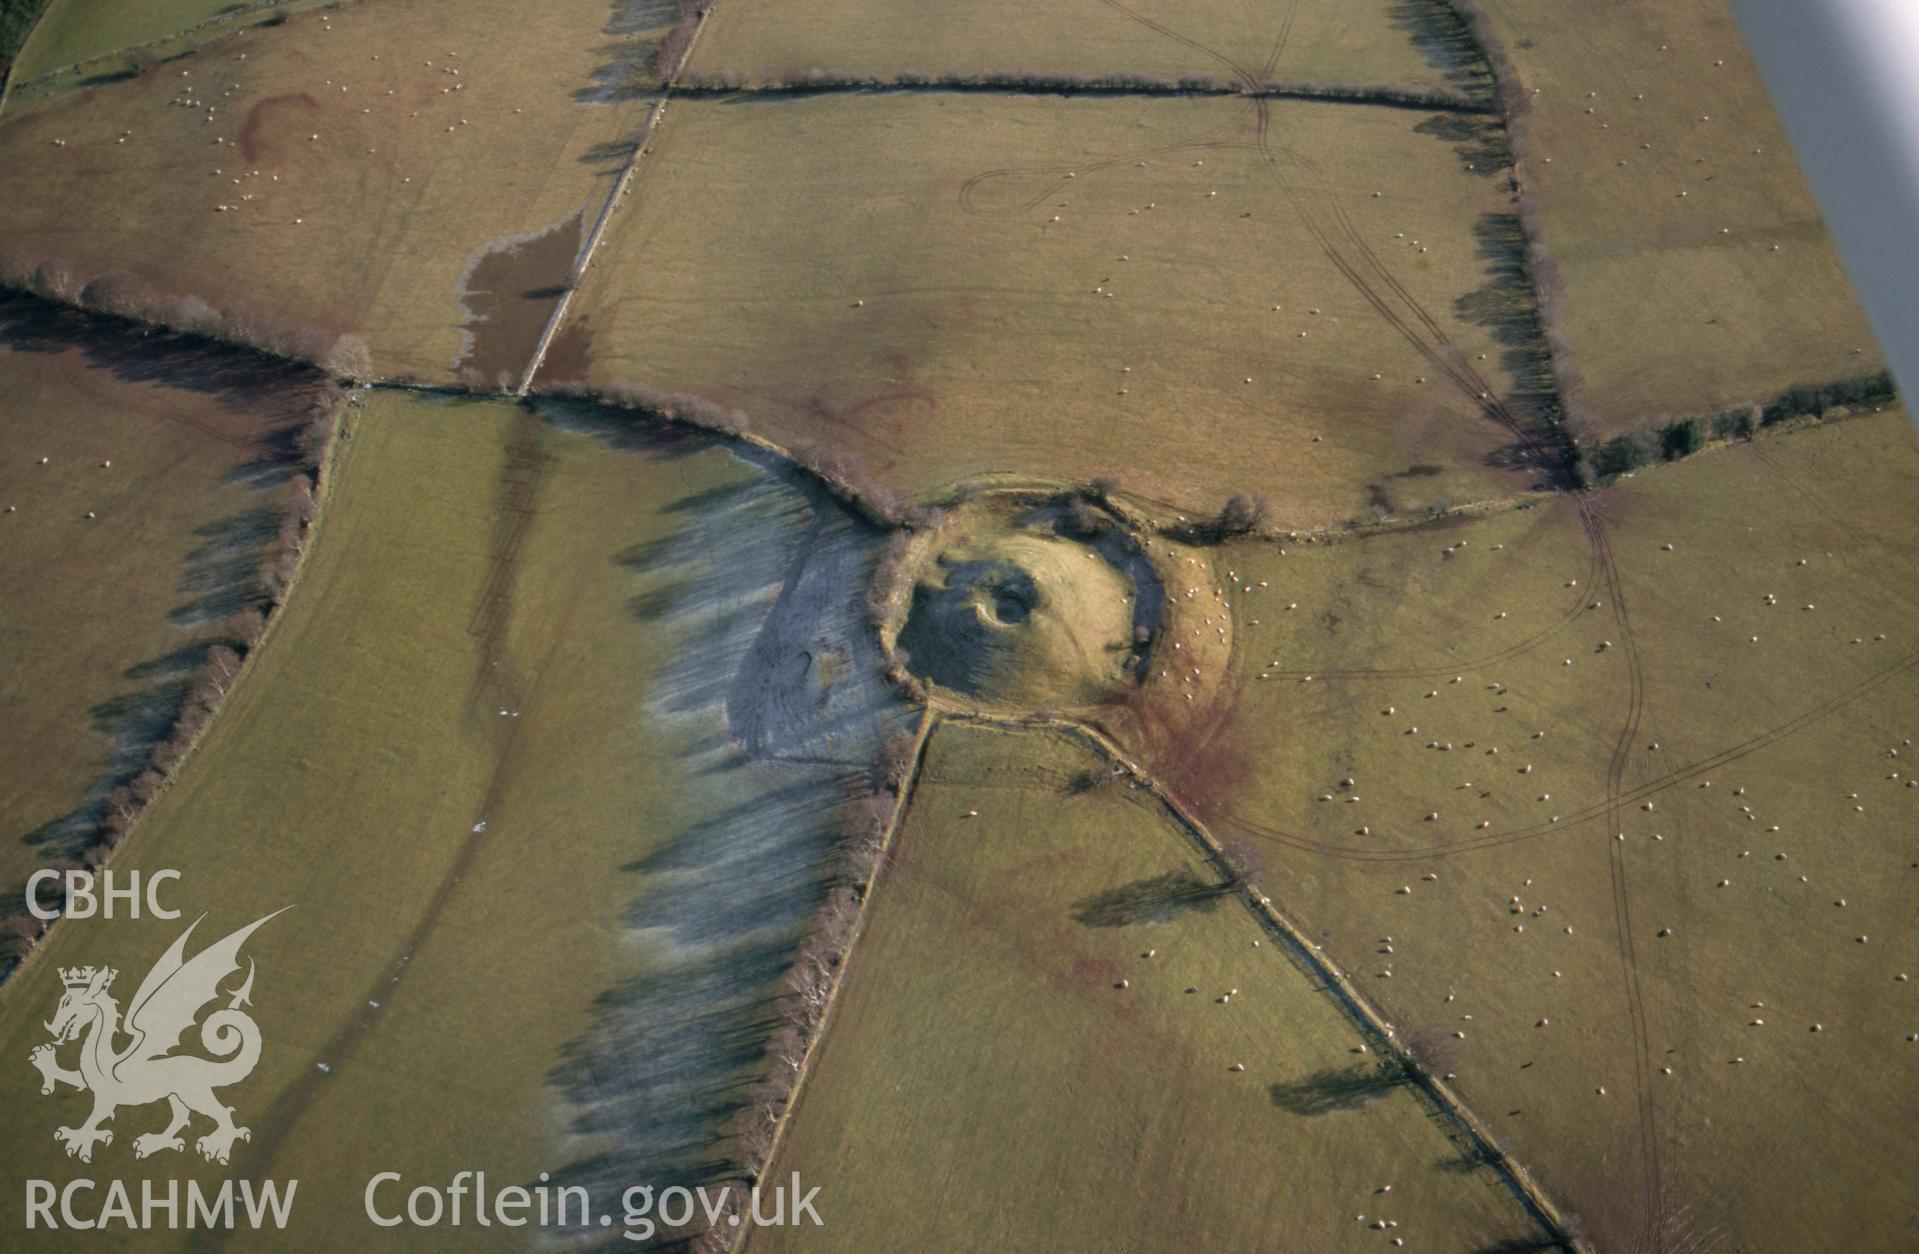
245	627
1242	514
895	760
121	293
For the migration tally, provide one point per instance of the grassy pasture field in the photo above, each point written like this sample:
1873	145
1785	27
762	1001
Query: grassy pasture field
118	576
1372	41
480	760
1447	772
985	1082
75	31
1698	271
370	163
950	286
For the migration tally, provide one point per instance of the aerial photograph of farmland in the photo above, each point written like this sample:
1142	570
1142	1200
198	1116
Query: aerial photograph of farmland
873	625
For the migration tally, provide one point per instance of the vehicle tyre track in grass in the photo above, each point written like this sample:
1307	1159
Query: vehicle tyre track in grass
970	187
1243	74
1439	352
1651	1187
1424	333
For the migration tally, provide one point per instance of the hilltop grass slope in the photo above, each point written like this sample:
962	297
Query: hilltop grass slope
1698	273
1628	792
1178	293
1366	41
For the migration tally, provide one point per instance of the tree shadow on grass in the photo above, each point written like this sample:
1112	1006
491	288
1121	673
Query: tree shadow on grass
276	458
221	575
626	72
1507	308
1443	40
238	379
219	580
667	1062
727	871
609	155
1479	140
1154	900
1472	1157
1338	1088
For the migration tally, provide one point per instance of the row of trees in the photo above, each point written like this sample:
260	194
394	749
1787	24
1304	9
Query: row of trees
1241	515
672	49
238	636
842	473
1549	299
1674	438
886	591
807	987
124	294
1541	267
1508	96
818	80
848	479
1817	399
681	407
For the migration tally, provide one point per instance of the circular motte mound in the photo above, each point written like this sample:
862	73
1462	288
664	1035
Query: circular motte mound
1023	617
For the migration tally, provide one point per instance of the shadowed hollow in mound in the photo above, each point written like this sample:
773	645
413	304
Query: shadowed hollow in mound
1025	617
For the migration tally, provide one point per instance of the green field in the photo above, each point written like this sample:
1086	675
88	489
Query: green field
987	1083
1698	272
74	31
1368	41
370	165
950	286
122	555
1469	687
474	559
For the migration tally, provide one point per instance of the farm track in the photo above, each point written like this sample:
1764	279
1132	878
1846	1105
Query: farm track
1428	337
1345	247
1652	1186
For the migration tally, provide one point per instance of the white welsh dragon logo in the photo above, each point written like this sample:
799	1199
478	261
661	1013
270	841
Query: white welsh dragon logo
168	1002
